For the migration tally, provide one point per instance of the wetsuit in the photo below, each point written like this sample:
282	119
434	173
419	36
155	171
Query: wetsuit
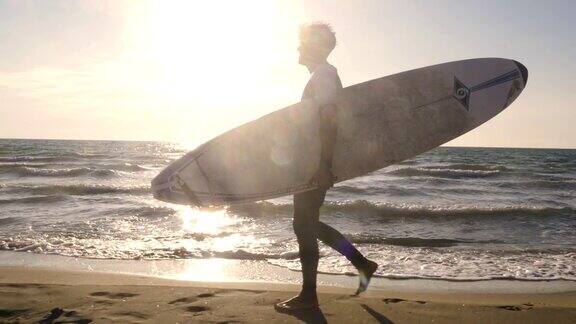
323	87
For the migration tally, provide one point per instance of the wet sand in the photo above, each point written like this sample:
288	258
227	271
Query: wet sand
29	294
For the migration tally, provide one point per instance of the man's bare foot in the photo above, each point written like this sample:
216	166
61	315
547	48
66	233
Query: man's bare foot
300	302
365	274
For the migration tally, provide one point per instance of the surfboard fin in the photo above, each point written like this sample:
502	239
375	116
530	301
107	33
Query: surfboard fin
191	196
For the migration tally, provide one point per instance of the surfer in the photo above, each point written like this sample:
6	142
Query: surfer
316	42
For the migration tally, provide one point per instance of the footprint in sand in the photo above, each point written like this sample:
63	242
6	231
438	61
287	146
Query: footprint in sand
18	290
129	315
399	300
183	300
112	295
110	298
206	295
12	313
191	299
12	285
195	309
71	317
516	308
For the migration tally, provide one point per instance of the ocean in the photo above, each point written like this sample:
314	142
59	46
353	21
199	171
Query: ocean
453	213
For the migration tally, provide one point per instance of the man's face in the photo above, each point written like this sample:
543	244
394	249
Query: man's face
309	53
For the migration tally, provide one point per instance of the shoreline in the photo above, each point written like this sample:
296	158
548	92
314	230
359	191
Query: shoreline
258	271
232	271
32	294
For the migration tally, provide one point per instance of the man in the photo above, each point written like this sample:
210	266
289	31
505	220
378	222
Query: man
316	43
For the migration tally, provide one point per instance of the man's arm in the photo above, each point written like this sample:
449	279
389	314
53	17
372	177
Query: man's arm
325	93
328	132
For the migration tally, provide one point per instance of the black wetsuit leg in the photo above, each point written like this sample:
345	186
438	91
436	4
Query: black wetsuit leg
309	229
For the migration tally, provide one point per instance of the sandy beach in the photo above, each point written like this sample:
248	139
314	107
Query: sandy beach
177	161
33	294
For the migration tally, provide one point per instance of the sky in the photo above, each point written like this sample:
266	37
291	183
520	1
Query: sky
187	71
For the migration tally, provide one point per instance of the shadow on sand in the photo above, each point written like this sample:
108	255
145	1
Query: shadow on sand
314	315
379	317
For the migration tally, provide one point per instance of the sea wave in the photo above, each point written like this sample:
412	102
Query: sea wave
373	190
79	189
88	155
413	241
404	210
402	191
9	220
79	248
444	172
560	184
362	206
37	159
471	167
399	262
455	265
245	255
63	157
72	172
33	200
130	167
48	170
144	211
12	165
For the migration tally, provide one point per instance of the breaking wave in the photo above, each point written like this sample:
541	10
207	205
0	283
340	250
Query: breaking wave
360	207
73	172
33	200
445	172
413	241
80	189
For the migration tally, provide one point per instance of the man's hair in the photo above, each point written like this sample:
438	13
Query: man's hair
318	33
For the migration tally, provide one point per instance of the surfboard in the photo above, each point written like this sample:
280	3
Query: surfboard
379	123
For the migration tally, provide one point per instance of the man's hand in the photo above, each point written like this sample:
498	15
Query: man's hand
323	178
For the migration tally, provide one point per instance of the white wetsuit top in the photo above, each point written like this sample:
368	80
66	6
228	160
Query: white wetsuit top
324	85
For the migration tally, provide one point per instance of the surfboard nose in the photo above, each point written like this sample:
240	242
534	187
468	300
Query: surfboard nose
523	71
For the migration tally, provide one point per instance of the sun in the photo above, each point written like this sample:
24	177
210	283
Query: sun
200	43
214	64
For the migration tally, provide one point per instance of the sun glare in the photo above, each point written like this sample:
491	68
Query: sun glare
216	63
209	270
205	221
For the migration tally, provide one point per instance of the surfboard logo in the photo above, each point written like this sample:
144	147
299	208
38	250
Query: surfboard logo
461	93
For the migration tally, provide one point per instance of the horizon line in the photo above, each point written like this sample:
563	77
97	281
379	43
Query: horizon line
176	142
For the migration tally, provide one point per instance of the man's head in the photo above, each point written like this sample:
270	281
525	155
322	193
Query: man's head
317	40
